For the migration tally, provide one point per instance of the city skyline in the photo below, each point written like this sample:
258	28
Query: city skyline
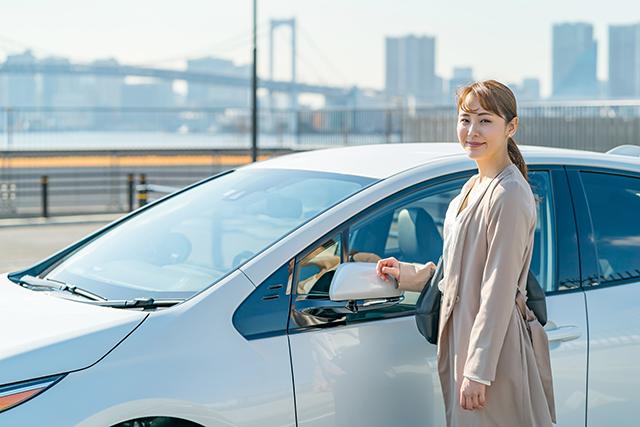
502	40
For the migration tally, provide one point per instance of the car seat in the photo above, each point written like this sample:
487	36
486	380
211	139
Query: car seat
418	237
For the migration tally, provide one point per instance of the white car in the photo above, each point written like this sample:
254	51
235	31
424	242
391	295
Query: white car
249	299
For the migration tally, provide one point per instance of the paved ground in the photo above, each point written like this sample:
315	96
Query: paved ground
23	242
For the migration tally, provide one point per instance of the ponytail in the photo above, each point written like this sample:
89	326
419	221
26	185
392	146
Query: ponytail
516	157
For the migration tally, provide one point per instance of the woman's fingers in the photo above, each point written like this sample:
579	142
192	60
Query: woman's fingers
474	402
387	267
472	395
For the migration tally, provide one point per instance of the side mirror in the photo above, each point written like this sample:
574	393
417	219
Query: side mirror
359	281
358	285
355	287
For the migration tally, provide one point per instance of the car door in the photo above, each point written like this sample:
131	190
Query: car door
373	368
608	217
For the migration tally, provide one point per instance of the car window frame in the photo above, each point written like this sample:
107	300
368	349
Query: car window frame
590	267
563	213
565	229
344	229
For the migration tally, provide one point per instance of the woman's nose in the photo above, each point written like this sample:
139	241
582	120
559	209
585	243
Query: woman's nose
472	129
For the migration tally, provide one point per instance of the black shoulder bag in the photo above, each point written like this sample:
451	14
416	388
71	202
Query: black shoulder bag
428	304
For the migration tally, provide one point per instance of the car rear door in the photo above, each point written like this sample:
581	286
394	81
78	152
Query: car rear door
560	275
608	213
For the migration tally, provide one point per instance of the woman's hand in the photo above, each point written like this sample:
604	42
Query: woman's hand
388	267
472	394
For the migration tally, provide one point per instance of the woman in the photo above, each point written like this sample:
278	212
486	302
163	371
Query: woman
493	356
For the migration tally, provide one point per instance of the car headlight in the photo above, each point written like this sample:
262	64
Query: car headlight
17	393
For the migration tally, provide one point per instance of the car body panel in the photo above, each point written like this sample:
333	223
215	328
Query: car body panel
178	364
68	335
614	346
377	373
567	311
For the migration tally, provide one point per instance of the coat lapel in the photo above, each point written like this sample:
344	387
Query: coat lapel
452	275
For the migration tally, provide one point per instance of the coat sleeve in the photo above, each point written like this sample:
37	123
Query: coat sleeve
413	277
510	226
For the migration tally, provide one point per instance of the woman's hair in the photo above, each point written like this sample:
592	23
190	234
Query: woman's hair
499	100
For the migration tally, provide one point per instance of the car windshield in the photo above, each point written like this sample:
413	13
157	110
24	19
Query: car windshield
189	241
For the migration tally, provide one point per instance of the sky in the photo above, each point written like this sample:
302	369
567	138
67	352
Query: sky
340	42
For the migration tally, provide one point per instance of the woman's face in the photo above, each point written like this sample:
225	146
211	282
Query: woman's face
482	134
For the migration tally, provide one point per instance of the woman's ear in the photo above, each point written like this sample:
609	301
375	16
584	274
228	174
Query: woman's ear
512	127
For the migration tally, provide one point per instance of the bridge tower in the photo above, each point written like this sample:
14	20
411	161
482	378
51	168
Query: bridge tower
275	23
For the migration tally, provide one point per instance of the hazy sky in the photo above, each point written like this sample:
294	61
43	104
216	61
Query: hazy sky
340	42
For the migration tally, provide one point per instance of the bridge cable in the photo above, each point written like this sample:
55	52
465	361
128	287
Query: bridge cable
326	59
308	65
238	39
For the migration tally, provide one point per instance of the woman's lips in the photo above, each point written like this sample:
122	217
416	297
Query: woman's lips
474	144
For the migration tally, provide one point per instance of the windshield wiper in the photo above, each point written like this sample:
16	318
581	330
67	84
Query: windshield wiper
38	283
139	303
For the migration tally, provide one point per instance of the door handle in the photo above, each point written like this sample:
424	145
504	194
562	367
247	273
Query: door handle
564	333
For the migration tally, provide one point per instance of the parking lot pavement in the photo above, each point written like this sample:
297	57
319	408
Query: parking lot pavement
23	242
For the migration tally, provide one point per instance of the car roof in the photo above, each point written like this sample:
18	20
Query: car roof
384	160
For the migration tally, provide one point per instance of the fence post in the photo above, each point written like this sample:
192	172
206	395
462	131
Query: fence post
142	190
389	123
130	188
45	184
401	124
298	126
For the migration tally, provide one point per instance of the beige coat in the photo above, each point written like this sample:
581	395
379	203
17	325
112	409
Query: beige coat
482	333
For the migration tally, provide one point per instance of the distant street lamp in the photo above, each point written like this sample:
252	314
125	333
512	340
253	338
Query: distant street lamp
254	95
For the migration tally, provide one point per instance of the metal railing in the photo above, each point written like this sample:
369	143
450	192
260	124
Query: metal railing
591	126
98	143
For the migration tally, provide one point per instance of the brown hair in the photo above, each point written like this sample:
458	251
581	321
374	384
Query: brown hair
498	99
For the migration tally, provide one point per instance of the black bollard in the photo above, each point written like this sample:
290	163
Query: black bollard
130	184
142	190
45	184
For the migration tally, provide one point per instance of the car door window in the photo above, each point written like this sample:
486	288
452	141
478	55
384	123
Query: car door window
614	203
316	269
542	258
409	229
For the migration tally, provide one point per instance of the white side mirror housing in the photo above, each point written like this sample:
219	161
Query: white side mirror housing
359	281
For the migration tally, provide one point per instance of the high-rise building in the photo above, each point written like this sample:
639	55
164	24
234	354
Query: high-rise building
528	91
153	94
21	88
574	61
462	76
203	95
61	90
410	69
624	61
107	90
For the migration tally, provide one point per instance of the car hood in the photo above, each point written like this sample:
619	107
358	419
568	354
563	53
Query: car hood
43	335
